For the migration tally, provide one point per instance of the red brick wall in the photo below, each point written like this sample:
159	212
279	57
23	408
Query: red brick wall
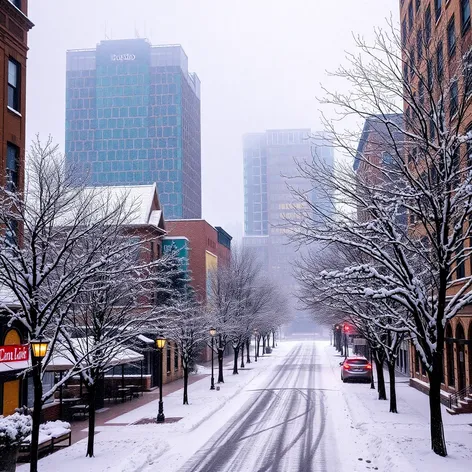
13	43
202	237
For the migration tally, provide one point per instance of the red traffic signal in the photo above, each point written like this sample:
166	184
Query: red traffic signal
347	328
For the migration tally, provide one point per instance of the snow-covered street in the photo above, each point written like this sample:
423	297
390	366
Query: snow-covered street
287	412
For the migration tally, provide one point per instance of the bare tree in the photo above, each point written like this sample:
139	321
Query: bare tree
54	231
188	327
416	264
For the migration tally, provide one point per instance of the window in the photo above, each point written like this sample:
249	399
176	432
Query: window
405	74
17	3
430	74
453	98
410	15
176	358
13	164
419	44
467	65
387	158
440	61
168	357
427	24
451	37
404	32
421	92
412	62
418	3
438	9
14	85
465	15
11	233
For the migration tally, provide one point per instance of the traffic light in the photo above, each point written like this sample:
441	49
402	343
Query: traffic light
347	329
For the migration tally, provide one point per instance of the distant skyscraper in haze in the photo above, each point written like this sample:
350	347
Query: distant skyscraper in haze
133	118
270	163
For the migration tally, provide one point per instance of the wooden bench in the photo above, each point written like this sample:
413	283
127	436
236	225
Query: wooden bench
45	444
56	440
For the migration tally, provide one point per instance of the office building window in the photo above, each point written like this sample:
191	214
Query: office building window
13	164
430	74
404	32
421	92
440	61
17	3
427	24
418	3
11	233
453	98
451	37
465	15
419	44
14	84
410	15
438	8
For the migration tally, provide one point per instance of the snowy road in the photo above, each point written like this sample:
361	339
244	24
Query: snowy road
283	426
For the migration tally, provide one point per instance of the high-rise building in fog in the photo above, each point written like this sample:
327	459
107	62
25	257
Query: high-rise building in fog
270	158
133	117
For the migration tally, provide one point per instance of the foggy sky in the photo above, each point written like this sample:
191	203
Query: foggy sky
260	63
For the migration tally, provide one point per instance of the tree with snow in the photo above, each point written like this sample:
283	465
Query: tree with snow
416	263
54	234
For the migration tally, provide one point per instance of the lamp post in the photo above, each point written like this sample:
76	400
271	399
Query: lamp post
212	334
39	349
255	345
160	343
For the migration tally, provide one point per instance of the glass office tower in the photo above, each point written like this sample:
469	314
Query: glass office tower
133	118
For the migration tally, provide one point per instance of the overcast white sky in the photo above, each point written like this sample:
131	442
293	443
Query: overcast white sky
260	62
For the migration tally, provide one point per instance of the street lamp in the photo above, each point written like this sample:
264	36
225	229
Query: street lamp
160	343
39	348
212	334
255	345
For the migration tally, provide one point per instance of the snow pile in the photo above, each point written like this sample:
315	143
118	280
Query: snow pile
55	429
13	429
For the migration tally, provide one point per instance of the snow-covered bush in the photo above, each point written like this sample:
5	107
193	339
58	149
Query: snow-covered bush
13	429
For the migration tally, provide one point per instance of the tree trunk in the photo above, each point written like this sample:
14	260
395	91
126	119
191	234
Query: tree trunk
263	344
185	400
438	441
235	365
248	358
258	346
380	378
242	355
393	392
92	390
37	405
220	365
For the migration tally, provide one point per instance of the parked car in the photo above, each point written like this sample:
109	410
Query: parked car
356	368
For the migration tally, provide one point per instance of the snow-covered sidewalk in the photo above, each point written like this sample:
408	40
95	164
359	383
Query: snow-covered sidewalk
122	446
399	441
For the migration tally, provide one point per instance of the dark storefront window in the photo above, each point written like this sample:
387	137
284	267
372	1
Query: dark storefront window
168	358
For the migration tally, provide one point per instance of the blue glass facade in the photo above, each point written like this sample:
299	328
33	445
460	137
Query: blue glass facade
133	118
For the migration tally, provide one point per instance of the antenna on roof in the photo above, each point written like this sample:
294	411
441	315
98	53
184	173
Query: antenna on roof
106	35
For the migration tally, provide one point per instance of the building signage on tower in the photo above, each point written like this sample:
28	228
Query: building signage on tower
123	57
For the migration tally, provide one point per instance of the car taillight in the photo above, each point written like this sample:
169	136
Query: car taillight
346	366
369	366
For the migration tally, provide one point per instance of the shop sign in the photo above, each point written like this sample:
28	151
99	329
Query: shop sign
14	353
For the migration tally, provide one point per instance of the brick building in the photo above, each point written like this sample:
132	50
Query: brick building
436	38
207	247
14	27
